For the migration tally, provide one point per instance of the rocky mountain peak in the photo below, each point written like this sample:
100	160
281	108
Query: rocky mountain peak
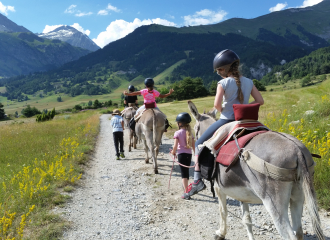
72	36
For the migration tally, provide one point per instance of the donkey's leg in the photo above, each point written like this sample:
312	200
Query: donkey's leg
146	151
150	142
297	207
246	219
277	206
221	233
130	141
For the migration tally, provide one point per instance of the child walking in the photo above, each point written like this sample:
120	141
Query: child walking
117	123
183	142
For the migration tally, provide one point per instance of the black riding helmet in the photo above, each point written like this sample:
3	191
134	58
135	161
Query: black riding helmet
183	118
149	82
225	59
131	88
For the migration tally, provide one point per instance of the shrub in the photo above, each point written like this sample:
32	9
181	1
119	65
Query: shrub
46	116
29	111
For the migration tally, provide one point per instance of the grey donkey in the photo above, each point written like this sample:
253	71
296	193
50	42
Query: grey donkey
150	129
249	186
127	115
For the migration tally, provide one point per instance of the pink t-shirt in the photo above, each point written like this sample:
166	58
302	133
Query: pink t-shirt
181	136
149	97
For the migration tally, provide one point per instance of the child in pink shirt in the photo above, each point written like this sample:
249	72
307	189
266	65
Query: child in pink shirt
149	95
183	142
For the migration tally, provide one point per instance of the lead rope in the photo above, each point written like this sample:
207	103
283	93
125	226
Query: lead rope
173	158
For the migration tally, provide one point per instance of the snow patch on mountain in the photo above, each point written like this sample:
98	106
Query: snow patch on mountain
72	36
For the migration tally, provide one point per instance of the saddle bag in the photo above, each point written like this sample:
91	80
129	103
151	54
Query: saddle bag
206	162
150	105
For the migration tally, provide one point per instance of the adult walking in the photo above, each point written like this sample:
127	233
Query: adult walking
232	89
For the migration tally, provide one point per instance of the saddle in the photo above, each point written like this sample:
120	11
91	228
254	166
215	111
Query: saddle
225	145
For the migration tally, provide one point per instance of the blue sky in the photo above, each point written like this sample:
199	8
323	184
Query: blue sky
106	21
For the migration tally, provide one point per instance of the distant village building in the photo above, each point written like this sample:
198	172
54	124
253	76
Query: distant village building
120	72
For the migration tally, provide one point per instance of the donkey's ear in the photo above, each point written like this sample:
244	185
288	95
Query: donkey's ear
213	112
193	110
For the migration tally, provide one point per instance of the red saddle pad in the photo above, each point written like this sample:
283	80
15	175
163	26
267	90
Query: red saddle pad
229	151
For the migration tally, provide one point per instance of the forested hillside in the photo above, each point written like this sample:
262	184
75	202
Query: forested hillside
144	53
23	53
261	43
316	63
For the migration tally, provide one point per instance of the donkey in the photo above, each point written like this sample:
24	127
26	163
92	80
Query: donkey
249	186
150	129
127	115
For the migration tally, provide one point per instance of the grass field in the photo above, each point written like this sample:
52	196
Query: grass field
36	161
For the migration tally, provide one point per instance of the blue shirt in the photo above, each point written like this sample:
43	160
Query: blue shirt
230	96
116	121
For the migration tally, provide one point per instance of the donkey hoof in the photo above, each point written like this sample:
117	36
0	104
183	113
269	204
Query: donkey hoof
156	171
217	237
146	160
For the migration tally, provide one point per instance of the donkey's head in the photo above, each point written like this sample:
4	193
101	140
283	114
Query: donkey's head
203	121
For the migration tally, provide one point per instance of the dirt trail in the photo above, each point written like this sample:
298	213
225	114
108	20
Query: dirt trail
125	200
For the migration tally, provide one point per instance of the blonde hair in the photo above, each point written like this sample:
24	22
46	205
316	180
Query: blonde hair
233	70
188	134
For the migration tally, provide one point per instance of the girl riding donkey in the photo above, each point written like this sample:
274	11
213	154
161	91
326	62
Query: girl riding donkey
233	89
149	95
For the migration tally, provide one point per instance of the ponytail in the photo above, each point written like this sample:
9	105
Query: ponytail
233	70
188	136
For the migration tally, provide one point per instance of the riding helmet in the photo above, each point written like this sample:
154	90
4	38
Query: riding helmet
149	82
183	118
225	59
131	88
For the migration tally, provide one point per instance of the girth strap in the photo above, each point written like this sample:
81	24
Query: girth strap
270	170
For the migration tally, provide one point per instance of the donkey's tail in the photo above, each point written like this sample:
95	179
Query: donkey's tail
310	196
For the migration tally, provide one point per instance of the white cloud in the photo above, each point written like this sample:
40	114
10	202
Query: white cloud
204	17
278	7
49	28
120	28
5	9
308	3
71	9
102	12
82	14
170	16
112	8
108	8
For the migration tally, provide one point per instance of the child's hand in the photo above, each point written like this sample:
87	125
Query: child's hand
173	153
125	93
171	91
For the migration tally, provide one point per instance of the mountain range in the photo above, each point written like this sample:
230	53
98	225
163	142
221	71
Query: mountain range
71	35
152	50
23	52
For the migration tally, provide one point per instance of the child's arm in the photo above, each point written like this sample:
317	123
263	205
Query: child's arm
122	125
175	146
167	94
132	94
193	144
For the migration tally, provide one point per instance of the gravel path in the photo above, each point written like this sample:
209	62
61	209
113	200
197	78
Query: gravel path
125	200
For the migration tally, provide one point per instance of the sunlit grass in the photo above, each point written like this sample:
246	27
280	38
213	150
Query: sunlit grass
35	160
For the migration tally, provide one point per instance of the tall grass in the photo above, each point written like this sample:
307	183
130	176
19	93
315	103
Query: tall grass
35	160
